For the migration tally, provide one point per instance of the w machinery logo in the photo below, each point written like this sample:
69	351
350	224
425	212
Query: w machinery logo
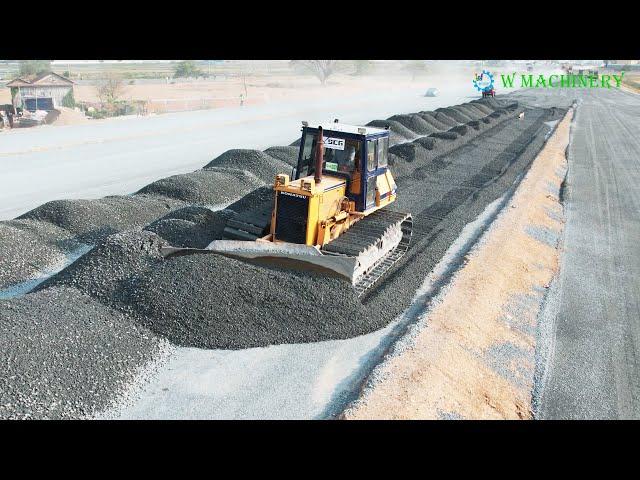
483	81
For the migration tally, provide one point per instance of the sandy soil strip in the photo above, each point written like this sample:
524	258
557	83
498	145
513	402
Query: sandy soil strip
473	354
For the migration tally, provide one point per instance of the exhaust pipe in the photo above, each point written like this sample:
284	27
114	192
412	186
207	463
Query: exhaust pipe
319	156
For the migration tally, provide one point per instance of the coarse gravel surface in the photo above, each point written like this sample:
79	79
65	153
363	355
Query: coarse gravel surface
213	186
260	164
66	355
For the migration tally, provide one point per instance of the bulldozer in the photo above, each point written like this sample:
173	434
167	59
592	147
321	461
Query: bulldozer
330	214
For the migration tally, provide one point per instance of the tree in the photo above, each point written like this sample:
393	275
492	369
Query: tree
416	67
31	67
110	88
321	69
187	68
362	67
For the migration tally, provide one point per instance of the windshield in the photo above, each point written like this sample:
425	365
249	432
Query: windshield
345	160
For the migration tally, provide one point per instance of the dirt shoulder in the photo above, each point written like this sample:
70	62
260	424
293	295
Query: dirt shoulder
473	354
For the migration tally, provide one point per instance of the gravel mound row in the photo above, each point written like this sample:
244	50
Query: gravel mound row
210	301
287	154
469	111
481	107
445	119
431	119
260	164
456	115
91	220
113	260
66	355
214	186
30	247
194	227
399	133
415	123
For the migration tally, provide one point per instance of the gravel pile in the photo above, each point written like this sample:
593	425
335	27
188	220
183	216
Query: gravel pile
399	133
29	248
215	186
431	119
448	135
481	107
454	114
469	111
210	301
445	119
92	220
415	123
113	260
65	355
194	227
260	164
287	154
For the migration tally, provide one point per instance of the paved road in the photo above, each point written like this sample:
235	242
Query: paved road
119	156
593	368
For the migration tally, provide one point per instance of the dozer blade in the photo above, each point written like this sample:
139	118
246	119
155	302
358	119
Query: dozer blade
363	254
288	255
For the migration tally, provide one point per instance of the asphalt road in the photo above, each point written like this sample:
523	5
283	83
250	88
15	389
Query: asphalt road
593	366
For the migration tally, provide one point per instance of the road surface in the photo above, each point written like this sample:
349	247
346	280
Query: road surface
593	368
119	156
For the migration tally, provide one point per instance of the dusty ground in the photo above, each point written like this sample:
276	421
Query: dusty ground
473	355
259	89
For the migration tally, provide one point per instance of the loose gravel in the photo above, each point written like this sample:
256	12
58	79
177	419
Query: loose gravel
214	186
260	164
66	355
194	227
92	220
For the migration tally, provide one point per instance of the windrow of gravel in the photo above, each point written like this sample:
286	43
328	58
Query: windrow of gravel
214	186
30	248
398	132
288	154
117	258
260	164
66	355
193	227
92	220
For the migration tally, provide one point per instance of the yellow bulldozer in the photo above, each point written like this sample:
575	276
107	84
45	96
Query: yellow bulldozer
330	214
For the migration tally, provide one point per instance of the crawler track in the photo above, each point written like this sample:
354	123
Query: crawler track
366	233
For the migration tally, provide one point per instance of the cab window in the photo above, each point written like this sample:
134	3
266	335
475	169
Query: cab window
383	148
371	155
346	160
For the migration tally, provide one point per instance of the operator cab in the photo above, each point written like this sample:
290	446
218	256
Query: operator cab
357	154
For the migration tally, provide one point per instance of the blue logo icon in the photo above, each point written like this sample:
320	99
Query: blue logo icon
483	81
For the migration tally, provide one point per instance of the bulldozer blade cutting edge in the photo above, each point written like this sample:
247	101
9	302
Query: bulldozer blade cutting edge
301	257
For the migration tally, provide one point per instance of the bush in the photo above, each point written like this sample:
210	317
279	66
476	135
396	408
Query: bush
69	101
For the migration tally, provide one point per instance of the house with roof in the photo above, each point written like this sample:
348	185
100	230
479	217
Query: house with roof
45	91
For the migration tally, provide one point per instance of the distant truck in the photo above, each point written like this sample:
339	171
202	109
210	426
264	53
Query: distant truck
489	93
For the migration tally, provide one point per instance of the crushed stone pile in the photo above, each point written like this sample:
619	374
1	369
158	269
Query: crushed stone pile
431	119
399	133
232	304
113	260
215	186
31	247
260	164
454	114
91	220
193	227
287	154
415	123
66	355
